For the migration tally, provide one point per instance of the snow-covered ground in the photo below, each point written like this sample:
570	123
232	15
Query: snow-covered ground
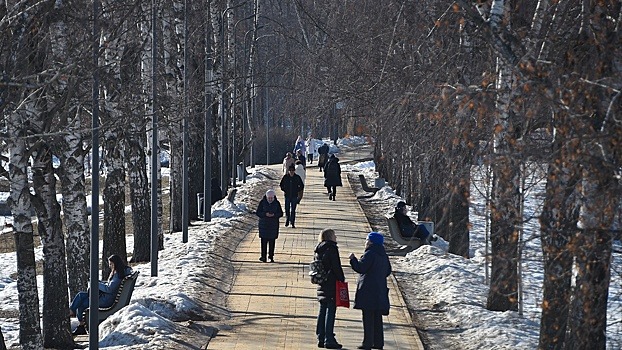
457	285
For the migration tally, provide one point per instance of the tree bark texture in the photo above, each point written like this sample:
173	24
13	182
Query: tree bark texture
21	207
558	226
56	326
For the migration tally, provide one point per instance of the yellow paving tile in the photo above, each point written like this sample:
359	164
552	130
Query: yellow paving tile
274	305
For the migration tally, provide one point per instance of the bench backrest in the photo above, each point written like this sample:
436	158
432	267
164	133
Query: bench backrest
365	186
122	299
396	234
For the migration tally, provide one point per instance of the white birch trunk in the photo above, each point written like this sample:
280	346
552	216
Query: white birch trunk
173	38
21	207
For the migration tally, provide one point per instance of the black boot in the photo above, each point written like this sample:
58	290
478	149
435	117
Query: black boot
80	330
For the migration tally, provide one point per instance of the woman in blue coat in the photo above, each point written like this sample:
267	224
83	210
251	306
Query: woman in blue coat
107	292
372	293
269	211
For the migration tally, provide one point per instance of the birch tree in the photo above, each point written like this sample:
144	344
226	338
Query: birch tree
56	324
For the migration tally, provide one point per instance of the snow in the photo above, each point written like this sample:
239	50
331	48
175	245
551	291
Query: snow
454	285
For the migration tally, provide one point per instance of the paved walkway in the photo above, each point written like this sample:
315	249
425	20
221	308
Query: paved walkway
274	305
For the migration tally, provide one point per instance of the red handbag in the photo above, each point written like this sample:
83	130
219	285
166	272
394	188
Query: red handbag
342	297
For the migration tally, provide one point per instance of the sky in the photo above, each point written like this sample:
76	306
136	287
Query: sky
454	284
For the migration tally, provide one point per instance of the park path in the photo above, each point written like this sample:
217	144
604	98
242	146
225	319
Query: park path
274	305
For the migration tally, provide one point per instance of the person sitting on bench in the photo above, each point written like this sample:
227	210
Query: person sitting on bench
408	228
107	292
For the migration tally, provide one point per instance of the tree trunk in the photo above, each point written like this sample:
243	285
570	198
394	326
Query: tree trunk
114	201
75	216
458	216
56	324
29	321
558	225
139	194
588	317
2	345
173	64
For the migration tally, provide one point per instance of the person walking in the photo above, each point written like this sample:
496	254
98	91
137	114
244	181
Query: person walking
287	161
332	176
301	171
269	211
327	252
292	185
372	293
300	145
310	144
323	156
107	292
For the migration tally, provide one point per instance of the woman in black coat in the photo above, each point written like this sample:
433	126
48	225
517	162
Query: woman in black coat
372	293
332	176
327	252
269	211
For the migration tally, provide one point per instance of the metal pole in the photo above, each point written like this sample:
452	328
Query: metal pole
185	194
223	124
267	128
207	140
154	147
94	258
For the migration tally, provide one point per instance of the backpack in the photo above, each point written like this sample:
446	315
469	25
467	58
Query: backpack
317	272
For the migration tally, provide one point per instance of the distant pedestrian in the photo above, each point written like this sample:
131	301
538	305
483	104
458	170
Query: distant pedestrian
332	176
300	171
269	211
327	252
300	145
310	144
372	293
292	185
300	157
323	156
287	161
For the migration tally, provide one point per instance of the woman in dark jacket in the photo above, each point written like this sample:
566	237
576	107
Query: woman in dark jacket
269	211
327	252
332	176
107	292
372	293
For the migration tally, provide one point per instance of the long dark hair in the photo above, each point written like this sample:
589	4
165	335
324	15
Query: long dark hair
119	266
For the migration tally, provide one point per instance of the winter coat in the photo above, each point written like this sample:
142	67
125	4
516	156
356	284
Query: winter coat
323	152
108	289
287	162
332	172
300	145
300	171
291	185
269	226
311	147
374	267
328	253
408	228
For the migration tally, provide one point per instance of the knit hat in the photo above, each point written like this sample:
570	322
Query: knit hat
375	238
400	205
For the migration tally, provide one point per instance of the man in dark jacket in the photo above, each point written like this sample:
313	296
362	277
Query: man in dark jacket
327	252
292	186
323	152
372	293
408	228
269	211
332	176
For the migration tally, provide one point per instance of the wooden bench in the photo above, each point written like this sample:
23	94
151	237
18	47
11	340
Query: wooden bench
124	295
365	186
396	234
